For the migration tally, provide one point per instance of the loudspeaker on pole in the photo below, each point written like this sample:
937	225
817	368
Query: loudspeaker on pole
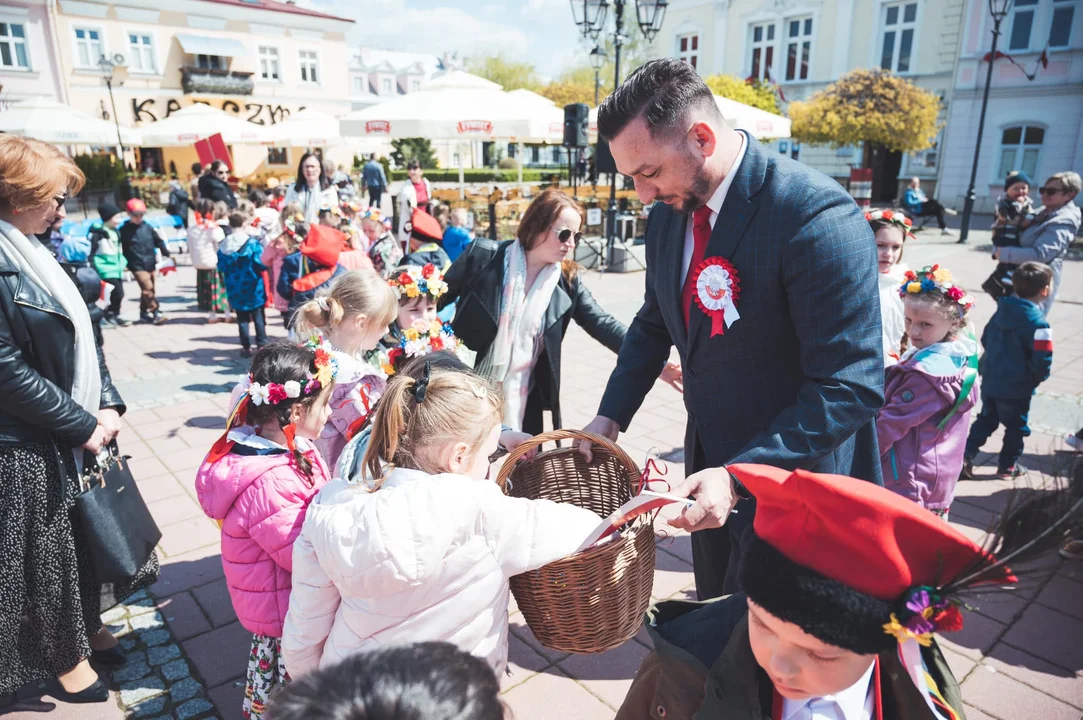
576	124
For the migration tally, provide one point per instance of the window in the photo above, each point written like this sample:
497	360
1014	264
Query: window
415	85
1023	13
763	51
798	48
688	49
385	86
900	22
88	47
142	53
210	62
1060	31
358	84
269	68
309	67
277	156
13	53
1019	149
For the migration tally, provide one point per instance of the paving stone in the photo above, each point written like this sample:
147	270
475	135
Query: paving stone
216	603
149	707
523	663
184	616
155	637
1003	697
188	570
148	621
552	694
1035	634
607	675
228	699
1029	670
192	708
115	615
1063	594
140	606
132	670
138	690
185	690
175	670
160	655
221	654
127	643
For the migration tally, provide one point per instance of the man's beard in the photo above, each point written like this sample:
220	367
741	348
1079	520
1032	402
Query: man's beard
695	196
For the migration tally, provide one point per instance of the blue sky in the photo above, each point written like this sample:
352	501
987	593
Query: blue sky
537	31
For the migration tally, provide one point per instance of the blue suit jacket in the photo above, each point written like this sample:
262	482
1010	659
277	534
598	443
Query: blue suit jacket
795	382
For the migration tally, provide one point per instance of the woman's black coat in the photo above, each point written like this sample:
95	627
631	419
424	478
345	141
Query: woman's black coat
476	281
37	368
211	188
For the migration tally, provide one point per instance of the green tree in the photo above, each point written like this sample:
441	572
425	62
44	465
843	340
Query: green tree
757	94
564	93
408	149
509	74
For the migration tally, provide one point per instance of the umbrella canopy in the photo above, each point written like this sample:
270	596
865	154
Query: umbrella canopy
756	122
307	128
52	122
195	122
442	114
460	80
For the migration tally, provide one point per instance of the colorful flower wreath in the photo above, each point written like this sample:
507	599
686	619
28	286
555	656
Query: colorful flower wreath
924	613
411	282
895	217
274	393
935	279
421	338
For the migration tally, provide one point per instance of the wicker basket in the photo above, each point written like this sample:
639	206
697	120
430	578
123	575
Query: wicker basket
592	601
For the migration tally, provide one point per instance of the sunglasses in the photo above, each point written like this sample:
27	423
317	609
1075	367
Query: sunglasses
60	200
566	234
1051	190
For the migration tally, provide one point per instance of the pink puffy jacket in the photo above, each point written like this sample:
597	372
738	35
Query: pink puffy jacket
261	500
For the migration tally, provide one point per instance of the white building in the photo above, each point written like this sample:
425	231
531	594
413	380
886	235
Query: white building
1032	125
378	75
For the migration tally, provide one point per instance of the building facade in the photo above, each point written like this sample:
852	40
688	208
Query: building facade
376	75
257	59
1033	121
28	52
804	45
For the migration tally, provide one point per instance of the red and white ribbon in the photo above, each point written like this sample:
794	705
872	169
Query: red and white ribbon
717	290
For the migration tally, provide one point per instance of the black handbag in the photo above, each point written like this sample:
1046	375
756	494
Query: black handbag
117	526
999	284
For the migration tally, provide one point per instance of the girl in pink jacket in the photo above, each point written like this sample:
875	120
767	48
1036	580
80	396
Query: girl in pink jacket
929	394
257	482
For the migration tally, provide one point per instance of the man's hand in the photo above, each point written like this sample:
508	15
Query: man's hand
110	420
673	375
715	494
598	426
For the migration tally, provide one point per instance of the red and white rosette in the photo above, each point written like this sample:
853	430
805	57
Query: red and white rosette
717	290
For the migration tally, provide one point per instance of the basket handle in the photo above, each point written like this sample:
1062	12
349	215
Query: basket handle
517	454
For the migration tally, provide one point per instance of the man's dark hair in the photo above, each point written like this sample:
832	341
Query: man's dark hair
413	164
662	91
372	156
1030	278
427	681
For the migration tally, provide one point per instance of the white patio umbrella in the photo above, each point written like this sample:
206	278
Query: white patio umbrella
52	122
307	128
196	122
460	80
759	123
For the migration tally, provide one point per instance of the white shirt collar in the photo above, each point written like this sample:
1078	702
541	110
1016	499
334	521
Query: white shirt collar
246	435
719	197
855	702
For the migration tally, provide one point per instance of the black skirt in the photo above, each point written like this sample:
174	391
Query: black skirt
50	601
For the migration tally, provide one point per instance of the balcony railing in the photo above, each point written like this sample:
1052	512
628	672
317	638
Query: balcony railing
221	82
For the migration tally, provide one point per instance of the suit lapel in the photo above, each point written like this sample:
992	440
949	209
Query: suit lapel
672	237
733	220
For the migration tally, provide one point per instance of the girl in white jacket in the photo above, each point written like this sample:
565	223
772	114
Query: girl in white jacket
428	553
891	229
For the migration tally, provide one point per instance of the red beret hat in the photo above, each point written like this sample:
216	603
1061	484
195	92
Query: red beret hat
856	533
323	245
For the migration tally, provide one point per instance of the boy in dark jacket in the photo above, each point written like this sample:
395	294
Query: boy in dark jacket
138	239
1018	357
239	262
312	268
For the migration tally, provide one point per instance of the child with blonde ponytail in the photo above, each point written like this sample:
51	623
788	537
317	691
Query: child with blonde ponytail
427	554
349	321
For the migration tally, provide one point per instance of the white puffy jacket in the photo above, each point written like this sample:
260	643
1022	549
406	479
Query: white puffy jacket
425	557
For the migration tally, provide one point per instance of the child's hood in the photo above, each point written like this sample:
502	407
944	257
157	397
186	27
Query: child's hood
398	536
944	365
219	484
234	242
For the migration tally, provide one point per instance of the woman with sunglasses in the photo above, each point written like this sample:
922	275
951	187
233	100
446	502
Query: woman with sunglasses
515	300
214	185
1047	238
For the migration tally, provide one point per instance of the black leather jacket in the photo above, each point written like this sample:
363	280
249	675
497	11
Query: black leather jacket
37	368
211	188
476	280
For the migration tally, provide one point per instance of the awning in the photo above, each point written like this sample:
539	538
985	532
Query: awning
201	45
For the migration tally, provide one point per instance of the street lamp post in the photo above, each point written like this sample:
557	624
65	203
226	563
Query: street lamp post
597	60
999	10
108	67
590	17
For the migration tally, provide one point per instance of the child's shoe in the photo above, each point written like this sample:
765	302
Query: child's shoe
158	318
146	318
246	352
212	318
1011	473
967	473
1072	550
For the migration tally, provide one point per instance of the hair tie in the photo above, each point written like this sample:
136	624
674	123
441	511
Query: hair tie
322	303
421	387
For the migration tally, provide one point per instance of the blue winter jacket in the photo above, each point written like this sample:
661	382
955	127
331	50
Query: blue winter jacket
243	272
1018	350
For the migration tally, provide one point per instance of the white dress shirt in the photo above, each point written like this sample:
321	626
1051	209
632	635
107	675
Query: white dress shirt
715	203
854	703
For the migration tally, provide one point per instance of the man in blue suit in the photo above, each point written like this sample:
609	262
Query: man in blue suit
762	272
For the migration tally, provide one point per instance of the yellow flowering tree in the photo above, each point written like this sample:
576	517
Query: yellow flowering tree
757	94
565	93
872	107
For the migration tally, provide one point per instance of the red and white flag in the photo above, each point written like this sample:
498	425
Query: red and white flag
1043	339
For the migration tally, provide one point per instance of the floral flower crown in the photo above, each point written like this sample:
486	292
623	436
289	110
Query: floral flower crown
421	338
412	281
895	217
375	215
274	393
936	279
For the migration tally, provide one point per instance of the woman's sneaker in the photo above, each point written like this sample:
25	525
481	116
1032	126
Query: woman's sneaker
1011	473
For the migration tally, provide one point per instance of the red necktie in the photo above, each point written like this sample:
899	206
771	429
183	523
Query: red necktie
701	235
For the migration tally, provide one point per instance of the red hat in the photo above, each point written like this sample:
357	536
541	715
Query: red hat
426	227
135	205
323	245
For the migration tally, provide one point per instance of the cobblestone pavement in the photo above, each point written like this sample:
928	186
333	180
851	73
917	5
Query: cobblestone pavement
1020	655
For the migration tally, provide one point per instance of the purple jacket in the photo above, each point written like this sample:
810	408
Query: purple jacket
261	498
918	460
